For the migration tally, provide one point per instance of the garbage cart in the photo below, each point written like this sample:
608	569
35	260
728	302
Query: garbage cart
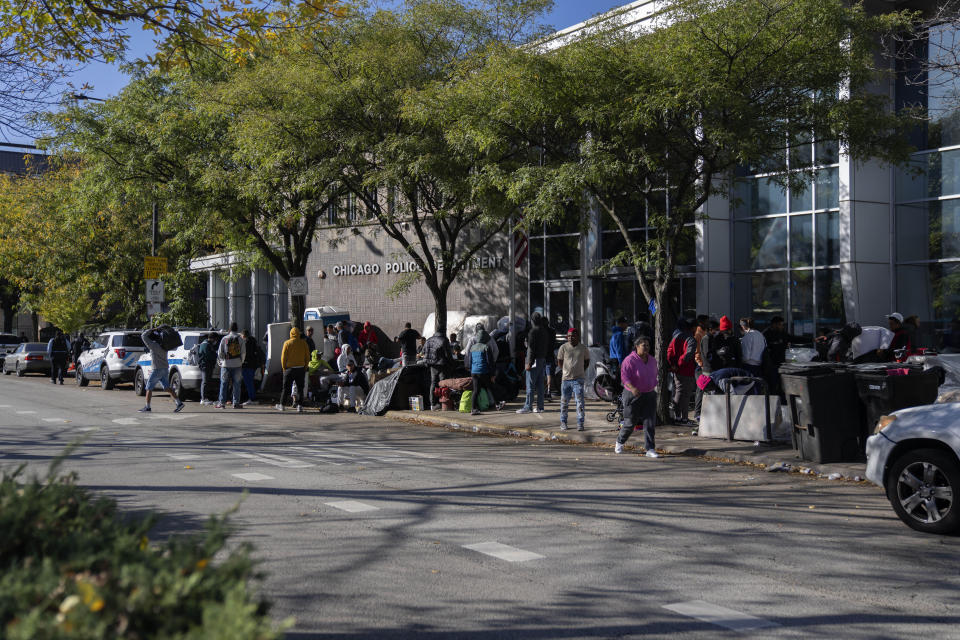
890	386
824	407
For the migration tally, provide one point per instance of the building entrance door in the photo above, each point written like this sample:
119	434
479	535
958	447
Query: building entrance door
563	308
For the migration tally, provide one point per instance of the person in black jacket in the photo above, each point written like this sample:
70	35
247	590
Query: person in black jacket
778	340
540	342
251	362
437	355
351	382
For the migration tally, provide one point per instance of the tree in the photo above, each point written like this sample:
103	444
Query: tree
175	136
74	255
83	30
665	116
364	89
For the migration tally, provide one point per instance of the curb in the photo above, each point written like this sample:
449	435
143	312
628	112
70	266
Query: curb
790	464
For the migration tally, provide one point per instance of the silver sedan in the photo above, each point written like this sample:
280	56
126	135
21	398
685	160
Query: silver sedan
915	456
29	357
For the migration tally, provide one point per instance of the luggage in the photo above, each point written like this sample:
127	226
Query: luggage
167	337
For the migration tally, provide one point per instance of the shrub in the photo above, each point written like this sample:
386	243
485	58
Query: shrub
72	566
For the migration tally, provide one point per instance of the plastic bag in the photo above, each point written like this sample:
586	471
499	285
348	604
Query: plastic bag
466	401
483	401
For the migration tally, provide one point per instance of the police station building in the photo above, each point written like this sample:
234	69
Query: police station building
860	242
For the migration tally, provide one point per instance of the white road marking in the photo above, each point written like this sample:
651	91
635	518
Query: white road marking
166	416
5	406
184	456
416	454
89	429
252	477
60	420
503	551
130	421
720	616
23	413
352	506
267	458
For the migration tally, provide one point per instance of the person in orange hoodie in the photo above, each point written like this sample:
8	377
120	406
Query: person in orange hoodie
293	361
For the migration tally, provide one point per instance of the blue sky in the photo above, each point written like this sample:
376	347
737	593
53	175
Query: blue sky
107	80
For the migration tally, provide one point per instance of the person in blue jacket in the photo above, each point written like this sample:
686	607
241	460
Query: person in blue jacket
619	348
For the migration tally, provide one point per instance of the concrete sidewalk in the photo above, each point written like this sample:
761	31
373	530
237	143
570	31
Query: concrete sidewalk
671	439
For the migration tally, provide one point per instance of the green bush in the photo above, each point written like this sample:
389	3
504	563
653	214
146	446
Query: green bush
71	566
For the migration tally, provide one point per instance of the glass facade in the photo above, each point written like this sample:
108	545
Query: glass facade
786	244
927	191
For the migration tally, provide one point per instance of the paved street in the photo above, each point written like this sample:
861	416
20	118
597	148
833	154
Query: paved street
369	528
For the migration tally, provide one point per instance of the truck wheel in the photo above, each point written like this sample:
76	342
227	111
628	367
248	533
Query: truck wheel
923	486
139	384
81	381
106	383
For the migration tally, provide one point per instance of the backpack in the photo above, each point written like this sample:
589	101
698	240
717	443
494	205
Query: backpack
59	344
479	358
233	349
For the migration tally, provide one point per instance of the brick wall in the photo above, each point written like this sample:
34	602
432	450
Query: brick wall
483	290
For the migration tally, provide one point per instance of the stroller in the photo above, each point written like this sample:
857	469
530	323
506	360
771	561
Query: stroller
607	387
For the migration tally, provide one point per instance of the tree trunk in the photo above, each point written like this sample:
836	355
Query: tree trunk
298	305
9	312
661	332
35	324
440	309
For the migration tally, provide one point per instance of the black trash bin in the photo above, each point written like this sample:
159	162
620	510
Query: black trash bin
825	410
882	391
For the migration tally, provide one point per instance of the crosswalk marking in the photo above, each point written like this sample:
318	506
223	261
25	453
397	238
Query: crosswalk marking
267	458
720	616
252	477
59	420
128	421
503	551
352	506
183	456
23	413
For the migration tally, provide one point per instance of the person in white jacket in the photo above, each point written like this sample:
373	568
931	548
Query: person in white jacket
346	355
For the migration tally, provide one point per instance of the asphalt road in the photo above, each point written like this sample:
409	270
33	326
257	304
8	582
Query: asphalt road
373	529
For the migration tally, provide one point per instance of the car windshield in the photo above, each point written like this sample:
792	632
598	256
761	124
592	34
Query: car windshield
132	340
35	346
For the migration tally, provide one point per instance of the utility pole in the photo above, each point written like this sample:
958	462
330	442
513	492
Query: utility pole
155	228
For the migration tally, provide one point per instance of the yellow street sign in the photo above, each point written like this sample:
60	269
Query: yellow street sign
154	267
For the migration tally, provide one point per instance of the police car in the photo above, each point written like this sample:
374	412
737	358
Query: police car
112	358
184	368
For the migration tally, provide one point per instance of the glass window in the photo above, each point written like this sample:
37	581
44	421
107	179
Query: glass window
618	300
936	91
613	244
759	197
801	302
827	152
929	175
828	238
686	247
932	291
830	309
536	258
562	254
768	296
189	342
35	347
572	221
802	200
801	241
828	188
761	244
128	340
536	299
928	230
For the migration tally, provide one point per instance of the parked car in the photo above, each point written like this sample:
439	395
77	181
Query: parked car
29	357
8	344
185	375
915	456
111	359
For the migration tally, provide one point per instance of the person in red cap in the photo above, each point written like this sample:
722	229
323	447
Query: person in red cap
572	358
